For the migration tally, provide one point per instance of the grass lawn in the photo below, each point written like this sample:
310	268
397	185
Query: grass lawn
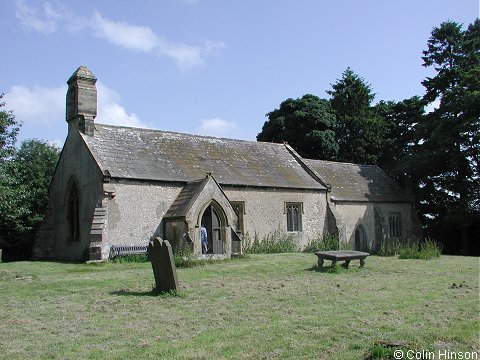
261	307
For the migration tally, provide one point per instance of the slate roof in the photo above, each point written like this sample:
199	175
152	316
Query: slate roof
353	182
146	154
186	198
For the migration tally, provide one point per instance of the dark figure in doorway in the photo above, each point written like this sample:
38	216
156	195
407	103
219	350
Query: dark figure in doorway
204	237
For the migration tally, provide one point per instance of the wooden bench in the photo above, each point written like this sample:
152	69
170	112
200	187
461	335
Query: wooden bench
122	250
341	255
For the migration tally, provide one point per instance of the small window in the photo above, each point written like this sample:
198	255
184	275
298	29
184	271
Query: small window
239	208
395	225
294	216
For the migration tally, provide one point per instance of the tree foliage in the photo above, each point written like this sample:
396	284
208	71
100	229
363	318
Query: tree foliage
9	129
359	130
306	123
446	157
24	182
401	120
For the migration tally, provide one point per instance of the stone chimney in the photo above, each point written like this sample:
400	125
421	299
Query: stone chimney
81	101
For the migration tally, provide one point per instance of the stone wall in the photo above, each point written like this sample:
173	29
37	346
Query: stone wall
354	214
265	210
136	211
75	163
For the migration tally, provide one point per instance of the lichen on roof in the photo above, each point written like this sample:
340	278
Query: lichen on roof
354	182
147	154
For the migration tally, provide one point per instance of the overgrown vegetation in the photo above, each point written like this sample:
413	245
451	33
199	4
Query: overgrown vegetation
425	250
267	306
411	249
325	242
273	243
389	247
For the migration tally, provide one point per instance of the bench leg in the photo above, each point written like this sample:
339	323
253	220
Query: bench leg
334	263
345	265
362	262
320	262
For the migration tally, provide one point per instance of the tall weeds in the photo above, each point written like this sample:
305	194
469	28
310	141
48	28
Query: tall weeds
325	242
411	249
275	242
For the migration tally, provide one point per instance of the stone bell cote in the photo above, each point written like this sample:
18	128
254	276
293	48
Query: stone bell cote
81	101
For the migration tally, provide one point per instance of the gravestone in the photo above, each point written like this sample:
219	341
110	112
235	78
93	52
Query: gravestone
163	265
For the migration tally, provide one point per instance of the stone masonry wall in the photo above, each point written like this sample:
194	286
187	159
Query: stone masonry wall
135	212
265	211
355	214
76	163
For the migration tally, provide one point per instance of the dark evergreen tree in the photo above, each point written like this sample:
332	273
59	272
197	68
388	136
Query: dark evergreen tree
446	156
359	130
401	120
307	124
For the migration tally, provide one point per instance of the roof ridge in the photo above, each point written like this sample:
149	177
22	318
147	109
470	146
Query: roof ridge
342	162
186	134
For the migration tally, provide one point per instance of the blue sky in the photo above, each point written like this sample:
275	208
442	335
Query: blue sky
212	67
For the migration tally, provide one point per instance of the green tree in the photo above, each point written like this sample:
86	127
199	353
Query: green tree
306	123
446	157
401	120
24	195
9	129
360	131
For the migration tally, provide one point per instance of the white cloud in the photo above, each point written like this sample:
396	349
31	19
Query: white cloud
132	37
40	107
43	19
111	112
142	38
47	19
218	127
186	56
37	105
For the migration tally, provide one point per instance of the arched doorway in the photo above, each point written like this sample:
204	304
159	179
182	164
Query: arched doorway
360	239
211	220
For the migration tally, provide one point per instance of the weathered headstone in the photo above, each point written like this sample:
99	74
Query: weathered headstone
163	265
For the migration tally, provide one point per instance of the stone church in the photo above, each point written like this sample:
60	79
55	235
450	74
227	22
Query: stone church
117	187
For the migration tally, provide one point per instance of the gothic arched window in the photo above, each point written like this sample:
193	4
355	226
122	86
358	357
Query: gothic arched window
73	214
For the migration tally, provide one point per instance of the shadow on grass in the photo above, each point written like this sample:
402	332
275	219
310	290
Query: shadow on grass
337	269
153	292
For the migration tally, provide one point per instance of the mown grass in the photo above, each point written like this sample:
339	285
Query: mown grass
263	306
